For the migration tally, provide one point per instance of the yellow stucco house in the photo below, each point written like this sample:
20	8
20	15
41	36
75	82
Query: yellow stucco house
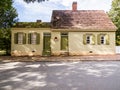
72	32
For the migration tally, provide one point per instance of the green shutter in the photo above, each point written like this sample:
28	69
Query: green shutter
16	38
38	38
29	38
24	38
93	39
98	39
84	39
107	39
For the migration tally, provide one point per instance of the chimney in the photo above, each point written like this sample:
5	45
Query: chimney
38	21
74	6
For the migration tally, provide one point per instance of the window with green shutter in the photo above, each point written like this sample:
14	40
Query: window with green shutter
89	39
103	39
20	38
34	38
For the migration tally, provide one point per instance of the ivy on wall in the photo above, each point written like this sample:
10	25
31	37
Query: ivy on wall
32	25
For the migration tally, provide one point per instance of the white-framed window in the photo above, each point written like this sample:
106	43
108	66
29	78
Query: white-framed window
103	39
89	39
20	38
33	38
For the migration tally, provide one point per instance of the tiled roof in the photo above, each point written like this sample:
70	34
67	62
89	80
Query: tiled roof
81	19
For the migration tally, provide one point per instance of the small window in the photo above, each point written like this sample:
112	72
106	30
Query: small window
89	39
33	38
102	39
20	38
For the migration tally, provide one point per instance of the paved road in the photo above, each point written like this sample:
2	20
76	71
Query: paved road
87	75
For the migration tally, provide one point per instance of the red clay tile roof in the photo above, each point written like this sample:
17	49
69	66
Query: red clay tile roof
81	19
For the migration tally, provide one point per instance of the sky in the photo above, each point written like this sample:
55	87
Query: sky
43	11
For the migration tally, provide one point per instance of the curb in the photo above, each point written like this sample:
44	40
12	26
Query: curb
59	58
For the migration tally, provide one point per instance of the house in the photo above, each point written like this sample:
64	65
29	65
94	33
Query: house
72	32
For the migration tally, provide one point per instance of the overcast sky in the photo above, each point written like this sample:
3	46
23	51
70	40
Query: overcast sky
43	11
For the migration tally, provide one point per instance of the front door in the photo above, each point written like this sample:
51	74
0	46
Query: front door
46	44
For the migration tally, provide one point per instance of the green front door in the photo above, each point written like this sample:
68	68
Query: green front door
46	44
64	41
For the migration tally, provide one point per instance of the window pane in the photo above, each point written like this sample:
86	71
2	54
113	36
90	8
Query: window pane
20	38
88	39
102	39
33	38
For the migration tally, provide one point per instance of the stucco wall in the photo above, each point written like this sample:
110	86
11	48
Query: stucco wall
55	44
76	46
27	49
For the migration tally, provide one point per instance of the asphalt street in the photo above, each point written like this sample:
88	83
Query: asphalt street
81	75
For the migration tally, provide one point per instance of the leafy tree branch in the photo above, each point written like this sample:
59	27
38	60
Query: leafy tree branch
114	14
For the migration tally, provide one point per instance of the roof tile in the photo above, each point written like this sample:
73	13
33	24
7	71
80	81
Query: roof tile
81	19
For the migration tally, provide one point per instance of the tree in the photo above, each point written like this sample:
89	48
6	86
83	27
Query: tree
29	1
114	14
7	19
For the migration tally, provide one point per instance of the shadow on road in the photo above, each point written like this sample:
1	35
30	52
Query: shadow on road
60	75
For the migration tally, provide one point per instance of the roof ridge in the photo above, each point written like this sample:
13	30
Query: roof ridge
78	10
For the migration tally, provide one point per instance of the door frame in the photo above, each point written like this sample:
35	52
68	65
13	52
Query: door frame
65	34
46	52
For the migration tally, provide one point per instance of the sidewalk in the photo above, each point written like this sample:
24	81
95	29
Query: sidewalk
61	58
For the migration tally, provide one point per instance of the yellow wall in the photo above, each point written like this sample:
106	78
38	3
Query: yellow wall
55	44
26	49
76	46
